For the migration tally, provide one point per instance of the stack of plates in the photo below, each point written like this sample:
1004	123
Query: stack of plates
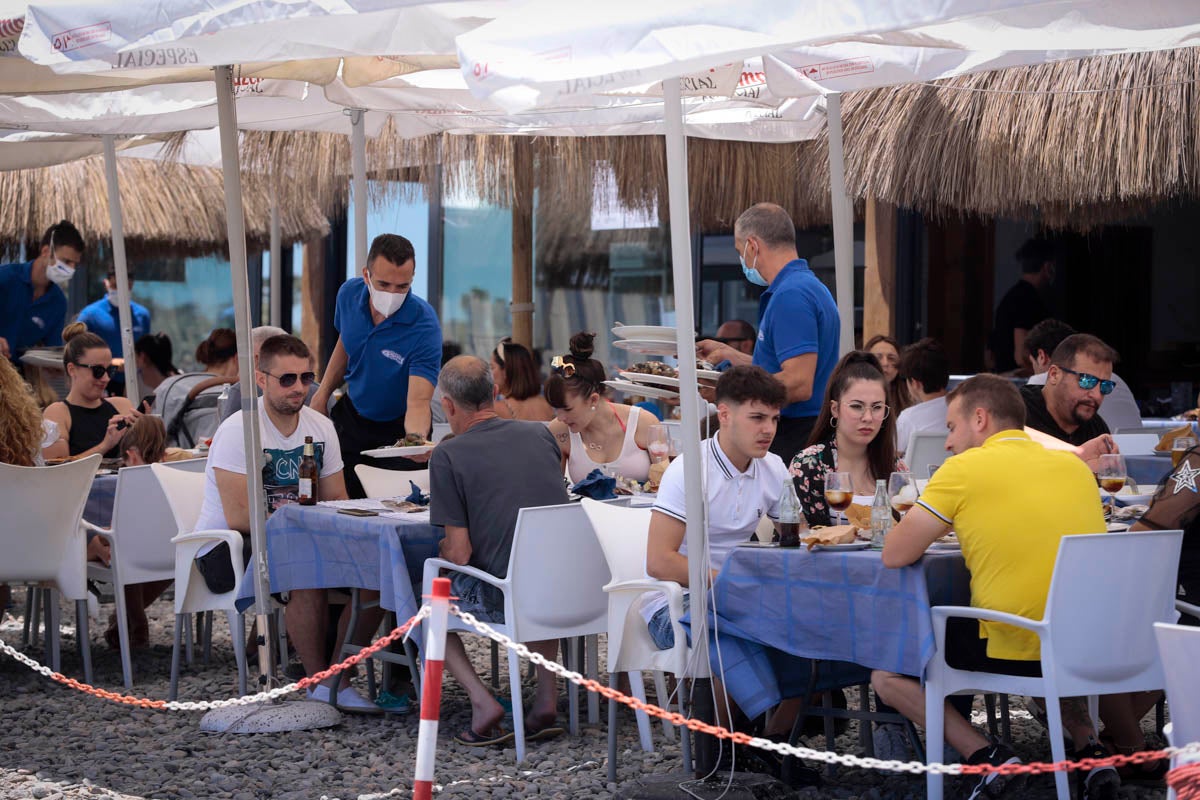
649	340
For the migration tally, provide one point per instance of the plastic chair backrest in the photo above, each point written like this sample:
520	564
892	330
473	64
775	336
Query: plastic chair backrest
622	533
184	492
1179	650
144	525
925	449
1136	444
1107	592
557	571
41	537
379	482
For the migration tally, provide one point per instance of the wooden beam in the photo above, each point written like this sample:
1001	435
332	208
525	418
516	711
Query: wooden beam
879	277
522	241
312	291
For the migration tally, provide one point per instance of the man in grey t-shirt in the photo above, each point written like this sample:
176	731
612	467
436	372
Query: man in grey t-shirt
476	494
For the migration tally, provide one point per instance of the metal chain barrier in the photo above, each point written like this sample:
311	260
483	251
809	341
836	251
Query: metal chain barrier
1185	780
782	748
208	705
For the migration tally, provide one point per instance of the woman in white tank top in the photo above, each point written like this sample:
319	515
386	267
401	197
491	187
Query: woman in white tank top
592	432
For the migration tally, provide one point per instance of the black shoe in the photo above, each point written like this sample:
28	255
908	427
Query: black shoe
994	784
1098	783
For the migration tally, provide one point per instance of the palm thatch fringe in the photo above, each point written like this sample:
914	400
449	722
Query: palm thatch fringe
167	206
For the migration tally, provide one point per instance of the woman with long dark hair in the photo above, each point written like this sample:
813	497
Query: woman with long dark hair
515	374
154	360
592	432
855	433
887	352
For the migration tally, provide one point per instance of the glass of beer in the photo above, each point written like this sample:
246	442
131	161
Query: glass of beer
839	492
903	491
1111	473
1179	449
660	444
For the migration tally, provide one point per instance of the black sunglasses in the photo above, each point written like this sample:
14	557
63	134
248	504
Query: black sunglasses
288	379
100	370
1087	381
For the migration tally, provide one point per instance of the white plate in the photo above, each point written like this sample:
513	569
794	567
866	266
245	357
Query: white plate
647	347
642	390
756	543
1129	499
1118	527
651	380
945	547
845	546
658	333
398	452
708	375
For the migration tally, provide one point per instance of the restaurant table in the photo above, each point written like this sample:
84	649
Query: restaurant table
101	497
777	608
315	547
1148	471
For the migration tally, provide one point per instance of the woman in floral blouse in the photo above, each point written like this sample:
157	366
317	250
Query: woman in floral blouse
855	433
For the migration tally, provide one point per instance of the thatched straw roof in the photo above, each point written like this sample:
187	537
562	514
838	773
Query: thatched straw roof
167	206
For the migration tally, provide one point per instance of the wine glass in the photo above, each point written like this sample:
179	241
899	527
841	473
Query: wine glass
660	444
903	491
1179	449
1111	472
676	449
839	492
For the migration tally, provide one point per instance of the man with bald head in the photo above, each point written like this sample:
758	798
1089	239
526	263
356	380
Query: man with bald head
475	495
738	334
798	323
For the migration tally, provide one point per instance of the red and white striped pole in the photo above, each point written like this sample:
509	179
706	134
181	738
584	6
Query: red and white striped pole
431	691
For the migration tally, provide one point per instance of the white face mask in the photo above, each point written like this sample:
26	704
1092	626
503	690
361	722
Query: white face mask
111	294
59	273
386	303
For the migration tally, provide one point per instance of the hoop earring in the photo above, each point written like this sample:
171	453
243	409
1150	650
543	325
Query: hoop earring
833	422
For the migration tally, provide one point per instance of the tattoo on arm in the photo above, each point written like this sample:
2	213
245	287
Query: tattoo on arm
563	437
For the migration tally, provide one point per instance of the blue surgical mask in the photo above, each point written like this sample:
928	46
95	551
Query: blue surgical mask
752	273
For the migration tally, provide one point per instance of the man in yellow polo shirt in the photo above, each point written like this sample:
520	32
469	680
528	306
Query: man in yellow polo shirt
1010	501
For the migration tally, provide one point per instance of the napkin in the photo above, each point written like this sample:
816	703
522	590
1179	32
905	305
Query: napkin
597	486
416	495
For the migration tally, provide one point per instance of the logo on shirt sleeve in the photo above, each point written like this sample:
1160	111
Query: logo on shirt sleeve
39	322
394	356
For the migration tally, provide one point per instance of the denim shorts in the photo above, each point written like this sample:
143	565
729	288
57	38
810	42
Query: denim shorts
660	628
475	597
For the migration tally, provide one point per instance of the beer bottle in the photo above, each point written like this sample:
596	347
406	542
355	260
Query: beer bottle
792	522
307	492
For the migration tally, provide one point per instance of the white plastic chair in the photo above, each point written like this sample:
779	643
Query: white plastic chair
623	534
140	541
379	482
1136	444
926	449
185	494
554	589
43	541
1094	641
1179	649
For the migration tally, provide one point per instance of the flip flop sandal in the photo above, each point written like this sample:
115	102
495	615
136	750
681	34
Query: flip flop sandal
470	738
540	734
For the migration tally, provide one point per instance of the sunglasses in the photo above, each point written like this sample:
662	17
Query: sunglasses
100	370
288	379
561	367
1088	382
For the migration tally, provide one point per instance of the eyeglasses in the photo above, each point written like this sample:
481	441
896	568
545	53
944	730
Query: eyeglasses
100	370
860	410
1087	382
562	367
288	379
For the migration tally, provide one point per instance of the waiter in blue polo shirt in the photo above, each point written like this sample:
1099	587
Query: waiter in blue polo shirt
798	323
389	352
32	304
103	318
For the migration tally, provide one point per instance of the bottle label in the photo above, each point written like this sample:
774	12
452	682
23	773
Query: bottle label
305	488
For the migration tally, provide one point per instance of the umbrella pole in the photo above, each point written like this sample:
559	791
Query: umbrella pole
121	267
276	285
689	403
358	165
843	222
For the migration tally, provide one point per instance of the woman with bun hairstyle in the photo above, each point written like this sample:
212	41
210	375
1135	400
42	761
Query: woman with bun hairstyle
88	422
515	374
218	356
855	433
592	432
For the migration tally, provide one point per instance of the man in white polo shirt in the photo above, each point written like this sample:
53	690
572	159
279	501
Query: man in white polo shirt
743	481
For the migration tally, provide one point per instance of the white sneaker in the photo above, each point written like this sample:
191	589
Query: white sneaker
350	700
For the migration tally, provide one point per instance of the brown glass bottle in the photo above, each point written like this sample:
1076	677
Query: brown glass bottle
307	492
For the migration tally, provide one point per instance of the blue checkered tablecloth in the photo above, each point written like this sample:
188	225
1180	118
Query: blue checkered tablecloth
1148	471
314	547
101	499
775	609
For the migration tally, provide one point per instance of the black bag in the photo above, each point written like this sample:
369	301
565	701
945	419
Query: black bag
216	568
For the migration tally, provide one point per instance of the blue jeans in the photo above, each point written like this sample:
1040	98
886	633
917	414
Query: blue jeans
476	597
660	628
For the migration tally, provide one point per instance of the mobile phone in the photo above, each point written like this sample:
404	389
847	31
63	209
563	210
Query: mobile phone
122	425
358	512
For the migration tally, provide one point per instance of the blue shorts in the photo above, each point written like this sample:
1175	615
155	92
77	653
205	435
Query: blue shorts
475	597
660	628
